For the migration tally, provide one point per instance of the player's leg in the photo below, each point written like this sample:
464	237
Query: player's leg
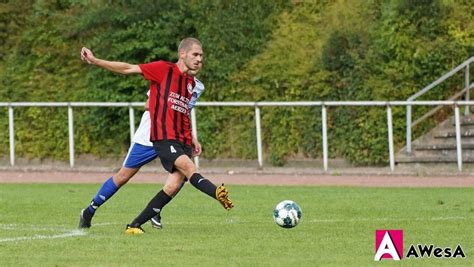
174	157
185	165
173	184
168	151
156	204
138	155
106	191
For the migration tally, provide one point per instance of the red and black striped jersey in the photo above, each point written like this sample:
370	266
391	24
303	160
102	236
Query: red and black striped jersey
170	93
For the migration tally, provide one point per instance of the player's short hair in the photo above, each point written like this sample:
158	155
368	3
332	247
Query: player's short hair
187	43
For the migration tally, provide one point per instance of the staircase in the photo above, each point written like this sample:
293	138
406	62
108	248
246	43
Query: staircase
439	145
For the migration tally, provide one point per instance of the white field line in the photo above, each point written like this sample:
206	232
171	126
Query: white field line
32	228
67	232
44	228
27	238
77	232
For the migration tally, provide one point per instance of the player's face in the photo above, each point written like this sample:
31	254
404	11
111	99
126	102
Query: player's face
193	59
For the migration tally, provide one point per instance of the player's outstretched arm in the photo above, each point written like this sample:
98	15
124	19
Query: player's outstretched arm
114	66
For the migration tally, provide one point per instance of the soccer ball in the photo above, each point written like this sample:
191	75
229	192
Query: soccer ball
287	214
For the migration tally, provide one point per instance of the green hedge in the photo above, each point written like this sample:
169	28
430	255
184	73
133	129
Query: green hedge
254	51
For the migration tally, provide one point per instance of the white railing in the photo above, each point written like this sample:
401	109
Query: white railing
257	105
467	86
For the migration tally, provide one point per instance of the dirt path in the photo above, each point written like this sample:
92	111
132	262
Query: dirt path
247	179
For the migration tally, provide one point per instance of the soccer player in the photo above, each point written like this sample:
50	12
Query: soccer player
171	87
141	152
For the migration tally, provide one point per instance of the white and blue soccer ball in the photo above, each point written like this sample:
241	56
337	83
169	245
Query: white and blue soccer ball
287	214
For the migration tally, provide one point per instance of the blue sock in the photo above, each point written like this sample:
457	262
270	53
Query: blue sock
107	190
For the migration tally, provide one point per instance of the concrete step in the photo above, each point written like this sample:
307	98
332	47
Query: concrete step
465	133
432	159
439	145
441	142
464	120
437	153
446	146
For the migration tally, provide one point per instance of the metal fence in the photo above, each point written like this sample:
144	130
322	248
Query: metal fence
463	67
325	105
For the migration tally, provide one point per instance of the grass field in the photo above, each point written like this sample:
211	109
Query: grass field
38	226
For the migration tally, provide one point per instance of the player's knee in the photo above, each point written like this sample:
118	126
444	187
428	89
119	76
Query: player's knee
123	176
186	167
120	179
190	168
190	173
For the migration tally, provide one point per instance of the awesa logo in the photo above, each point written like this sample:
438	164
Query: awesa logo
389	245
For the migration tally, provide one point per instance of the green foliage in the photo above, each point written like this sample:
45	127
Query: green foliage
254	51
41	67
232	33
12	19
